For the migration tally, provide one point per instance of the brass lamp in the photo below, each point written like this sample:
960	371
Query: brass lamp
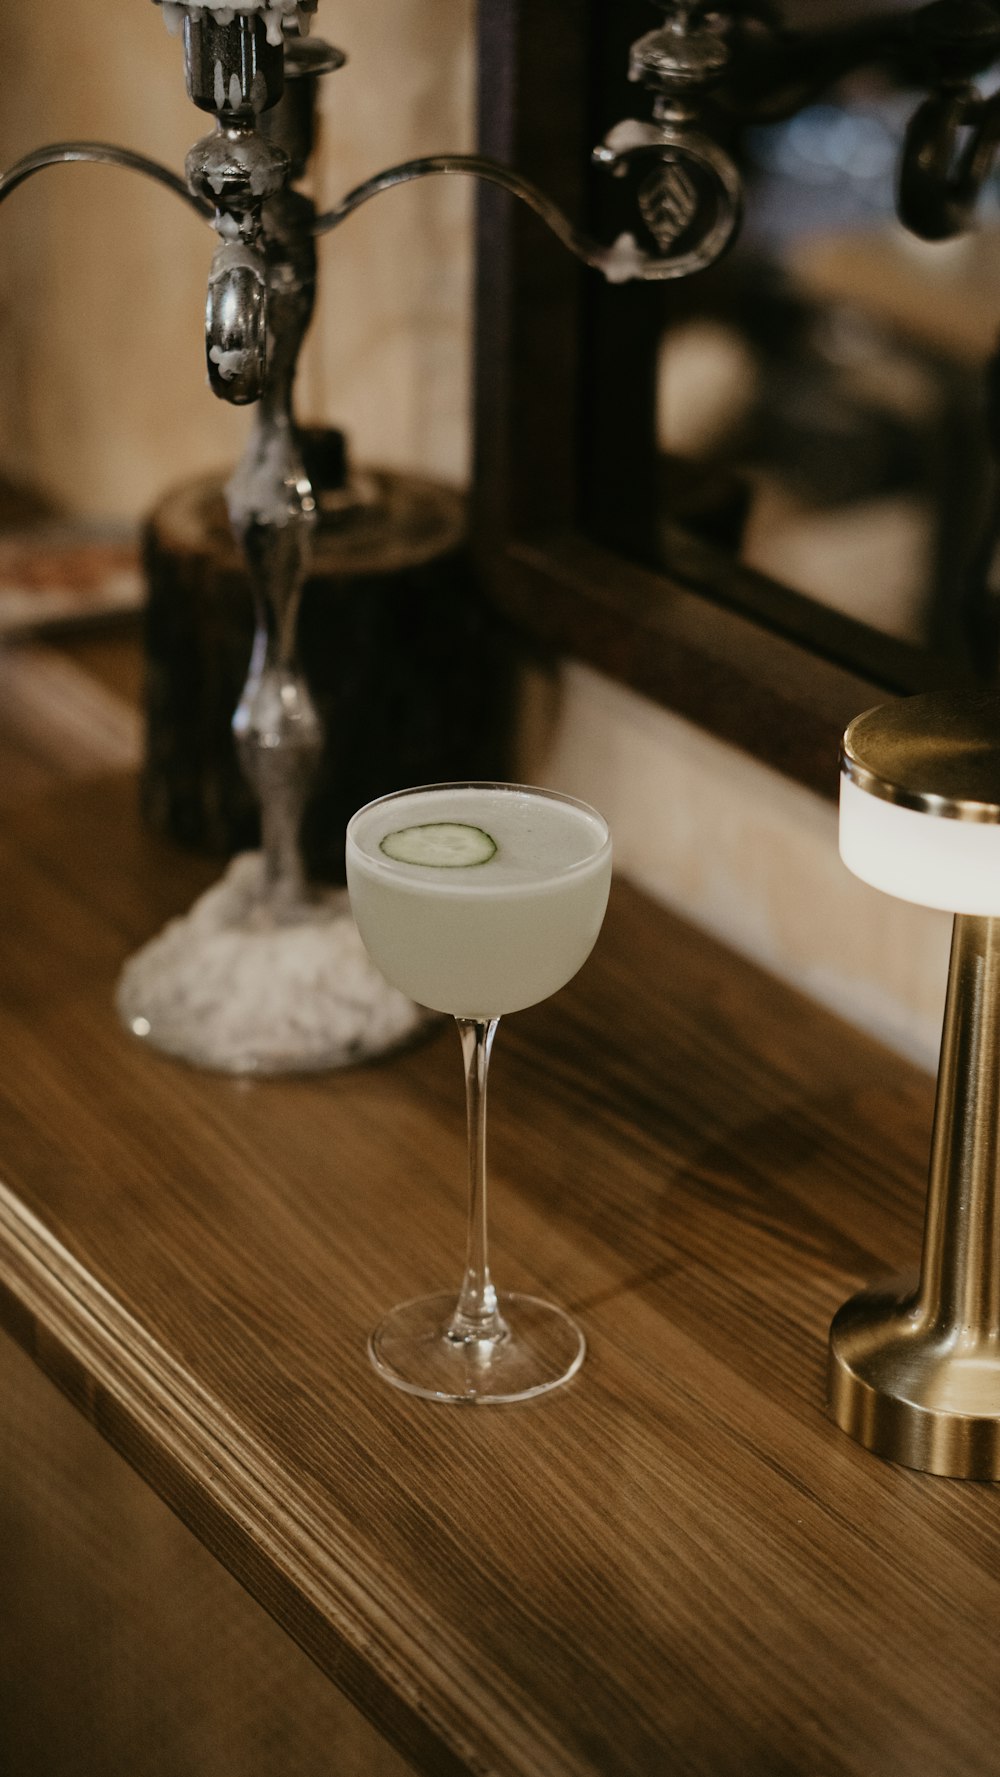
915	1368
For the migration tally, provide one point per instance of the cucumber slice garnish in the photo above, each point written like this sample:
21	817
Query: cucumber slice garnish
440	845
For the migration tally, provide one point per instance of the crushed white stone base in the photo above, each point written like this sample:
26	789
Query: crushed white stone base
224	990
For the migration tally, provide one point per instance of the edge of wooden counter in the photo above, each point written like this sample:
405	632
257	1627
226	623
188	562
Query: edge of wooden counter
247	1510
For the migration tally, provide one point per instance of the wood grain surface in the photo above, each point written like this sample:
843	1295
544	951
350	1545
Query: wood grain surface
676	1565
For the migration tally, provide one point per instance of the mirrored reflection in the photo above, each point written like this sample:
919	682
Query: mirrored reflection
826	385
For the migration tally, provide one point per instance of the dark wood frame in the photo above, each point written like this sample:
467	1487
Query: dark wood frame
744	657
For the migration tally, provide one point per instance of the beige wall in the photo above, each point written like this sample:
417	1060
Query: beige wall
103	399
741	851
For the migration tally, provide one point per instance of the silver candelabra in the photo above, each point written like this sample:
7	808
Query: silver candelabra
266	973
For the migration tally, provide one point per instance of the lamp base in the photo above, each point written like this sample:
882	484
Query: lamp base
913	1391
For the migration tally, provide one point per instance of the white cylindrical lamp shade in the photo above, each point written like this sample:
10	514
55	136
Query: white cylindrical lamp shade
918	856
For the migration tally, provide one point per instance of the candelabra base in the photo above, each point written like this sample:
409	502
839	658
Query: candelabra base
227	987
913	1391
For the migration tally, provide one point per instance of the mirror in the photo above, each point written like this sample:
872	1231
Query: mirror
817	400
757	497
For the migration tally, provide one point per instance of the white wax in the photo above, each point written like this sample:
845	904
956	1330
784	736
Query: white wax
275	11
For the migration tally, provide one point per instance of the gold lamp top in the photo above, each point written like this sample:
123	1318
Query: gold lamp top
938	753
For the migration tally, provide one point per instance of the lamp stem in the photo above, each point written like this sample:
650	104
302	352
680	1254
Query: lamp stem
915	1372
960	1275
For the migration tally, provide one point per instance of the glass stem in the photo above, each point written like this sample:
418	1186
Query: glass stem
476	1316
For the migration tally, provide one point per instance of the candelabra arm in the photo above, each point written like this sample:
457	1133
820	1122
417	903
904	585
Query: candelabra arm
476	166
689	195
951	147
622	260
101	153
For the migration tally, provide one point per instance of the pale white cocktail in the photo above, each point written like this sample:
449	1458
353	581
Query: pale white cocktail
478	899
504	910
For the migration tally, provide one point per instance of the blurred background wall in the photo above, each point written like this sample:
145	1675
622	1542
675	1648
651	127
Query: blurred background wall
103	397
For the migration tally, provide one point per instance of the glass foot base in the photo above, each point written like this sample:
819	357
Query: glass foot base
539	1349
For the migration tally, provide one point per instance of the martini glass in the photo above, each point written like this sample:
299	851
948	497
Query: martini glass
477	900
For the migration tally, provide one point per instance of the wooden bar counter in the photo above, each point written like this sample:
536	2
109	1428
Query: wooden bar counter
677	1564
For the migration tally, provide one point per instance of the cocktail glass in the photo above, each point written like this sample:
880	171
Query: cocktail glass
478	900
